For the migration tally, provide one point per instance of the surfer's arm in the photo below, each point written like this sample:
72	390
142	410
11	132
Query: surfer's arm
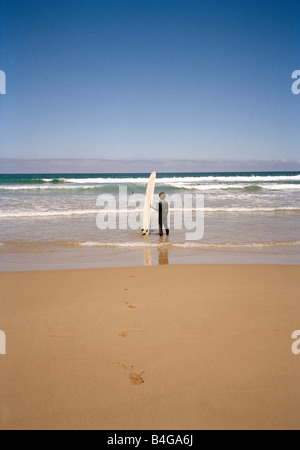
154	207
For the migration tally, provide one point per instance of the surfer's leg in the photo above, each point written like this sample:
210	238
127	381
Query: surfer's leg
165	224
161	230
160	220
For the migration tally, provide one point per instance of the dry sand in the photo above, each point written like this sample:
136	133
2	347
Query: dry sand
173	347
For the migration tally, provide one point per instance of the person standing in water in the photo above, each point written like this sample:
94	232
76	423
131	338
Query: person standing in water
163	211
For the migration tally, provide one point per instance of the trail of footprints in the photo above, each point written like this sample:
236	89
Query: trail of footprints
135	377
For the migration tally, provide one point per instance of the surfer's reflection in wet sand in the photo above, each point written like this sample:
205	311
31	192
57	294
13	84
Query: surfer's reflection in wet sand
147	252
147	256
163	255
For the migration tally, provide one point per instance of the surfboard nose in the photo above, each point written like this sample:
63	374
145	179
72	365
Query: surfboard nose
147	205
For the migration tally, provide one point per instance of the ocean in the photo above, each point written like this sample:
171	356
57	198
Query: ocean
57	221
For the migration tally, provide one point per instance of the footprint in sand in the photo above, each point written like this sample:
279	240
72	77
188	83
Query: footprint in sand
136	378
132	276
123	334
130	306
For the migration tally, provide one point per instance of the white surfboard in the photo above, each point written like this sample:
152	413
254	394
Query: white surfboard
147	204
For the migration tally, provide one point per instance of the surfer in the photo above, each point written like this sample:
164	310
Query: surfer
163	208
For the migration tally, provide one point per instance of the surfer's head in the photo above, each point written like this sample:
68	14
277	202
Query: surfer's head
162	196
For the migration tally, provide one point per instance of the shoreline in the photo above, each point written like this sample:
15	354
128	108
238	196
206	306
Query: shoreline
93	257
172	347
146	267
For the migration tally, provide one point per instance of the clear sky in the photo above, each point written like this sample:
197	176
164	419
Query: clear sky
134	79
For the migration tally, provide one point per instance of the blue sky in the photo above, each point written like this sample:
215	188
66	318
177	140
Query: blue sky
150	79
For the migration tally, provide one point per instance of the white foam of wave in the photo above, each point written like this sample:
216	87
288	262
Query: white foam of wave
78	212
201	188
33	214
207	187
242	210
220	187
194	179
281	187
43	187
165	245
105	180
191	245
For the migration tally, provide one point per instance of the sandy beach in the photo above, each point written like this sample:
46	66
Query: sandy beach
169	347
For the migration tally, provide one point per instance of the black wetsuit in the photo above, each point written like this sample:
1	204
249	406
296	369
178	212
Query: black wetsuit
163	211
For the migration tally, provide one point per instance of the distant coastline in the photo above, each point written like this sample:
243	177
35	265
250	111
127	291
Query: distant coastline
34	166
